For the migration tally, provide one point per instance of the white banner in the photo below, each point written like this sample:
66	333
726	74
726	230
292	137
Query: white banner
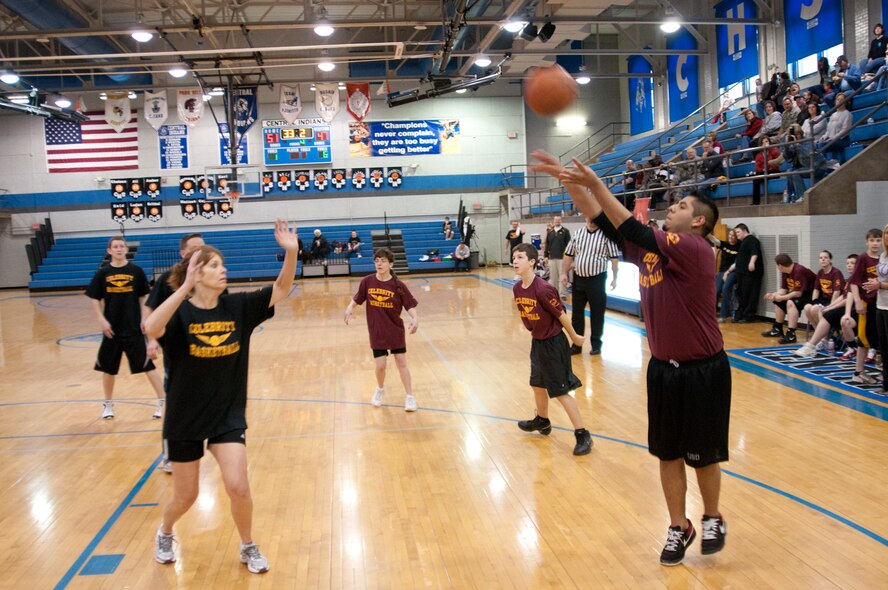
117	110
156	110
190	106
291	102
327	101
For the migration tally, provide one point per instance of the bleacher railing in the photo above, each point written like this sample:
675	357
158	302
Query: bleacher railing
848	102
597	143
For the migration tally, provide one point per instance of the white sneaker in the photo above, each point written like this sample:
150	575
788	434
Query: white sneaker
107	410
163	548
158	411
256	562
410	403
166	466
806	351
378	394
863	378
871	356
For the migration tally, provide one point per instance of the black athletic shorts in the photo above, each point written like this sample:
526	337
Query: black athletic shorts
800	302
689	410
834	316
550	366
867	327
112	349
185	451
378	352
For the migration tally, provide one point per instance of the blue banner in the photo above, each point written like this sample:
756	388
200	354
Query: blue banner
243	154
246	109
884	10
403	138
811	26
736	44
641	96
683	74
173	147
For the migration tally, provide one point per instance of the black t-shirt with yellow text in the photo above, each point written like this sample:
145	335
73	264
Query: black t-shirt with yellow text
120	288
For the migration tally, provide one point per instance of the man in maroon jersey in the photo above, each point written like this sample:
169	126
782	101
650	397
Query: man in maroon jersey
688	378
796	286
865	302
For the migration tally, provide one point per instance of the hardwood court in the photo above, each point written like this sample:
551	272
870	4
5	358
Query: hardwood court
453	496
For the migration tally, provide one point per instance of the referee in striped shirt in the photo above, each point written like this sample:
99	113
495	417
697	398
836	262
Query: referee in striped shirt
587	255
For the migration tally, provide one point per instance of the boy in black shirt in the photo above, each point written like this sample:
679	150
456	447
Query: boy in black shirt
118	292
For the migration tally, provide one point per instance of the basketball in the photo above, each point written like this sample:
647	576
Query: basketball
549	90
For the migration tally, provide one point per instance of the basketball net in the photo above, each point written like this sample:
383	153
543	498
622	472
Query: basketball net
234	197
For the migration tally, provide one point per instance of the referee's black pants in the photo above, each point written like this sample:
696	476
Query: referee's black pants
591	291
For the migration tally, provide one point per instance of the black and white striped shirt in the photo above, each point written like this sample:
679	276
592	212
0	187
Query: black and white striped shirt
591	252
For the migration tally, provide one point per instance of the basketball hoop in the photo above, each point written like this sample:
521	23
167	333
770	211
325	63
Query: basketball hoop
234	197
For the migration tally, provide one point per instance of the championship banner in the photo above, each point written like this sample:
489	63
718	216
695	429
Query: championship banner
204	185
187	186
404	138
811	26
155	210
290	103
358	178
246	109
338	178
377	177
136	187
118	212
189	208
327	101
156	109
267	182
283	180
173	144
683	75
190	105
135	211
152	187
302	179
357	101
222	187
641	95
640	212
736	44
394	177
224	209
117	110
243	152
119	187
320	179
207	208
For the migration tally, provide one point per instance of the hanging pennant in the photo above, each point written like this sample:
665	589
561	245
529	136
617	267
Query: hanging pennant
358	177
320	179
384	88
207	208
156	111
223	186
377	177
187	186
136	187
291	102
119	187
155	210
358	99
205	185
190	105
338	178
118	212
267	182
189	208
135	211
327	101
224	209
152	187
80	105
394	176
302	179
246	109
117	110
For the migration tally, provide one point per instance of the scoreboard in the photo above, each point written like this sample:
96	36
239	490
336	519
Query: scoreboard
305	141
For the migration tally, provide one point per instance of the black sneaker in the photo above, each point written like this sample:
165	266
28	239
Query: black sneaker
772	333
541	424
584	442
714	532
790	338
574	349
677	542
595	351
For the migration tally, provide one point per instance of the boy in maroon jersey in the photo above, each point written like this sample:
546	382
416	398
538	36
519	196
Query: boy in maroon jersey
688	378
864	302
551	375
827	289
796	286
386	295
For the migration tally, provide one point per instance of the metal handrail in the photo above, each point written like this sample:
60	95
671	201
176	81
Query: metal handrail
589	148
848	97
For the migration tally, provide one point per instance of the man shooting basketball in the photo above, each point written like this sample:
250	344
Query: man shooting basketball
688	377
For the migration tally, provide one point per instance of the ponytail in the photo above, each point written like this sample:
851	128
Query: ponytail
179	270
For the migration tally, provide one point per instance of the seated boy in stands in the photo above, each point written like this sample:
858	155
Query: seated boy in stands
796	287
354	245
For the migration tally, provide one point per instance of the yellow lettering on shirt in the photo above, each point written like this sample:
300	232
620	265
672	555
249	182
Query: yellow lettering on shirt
119	283
207	352
213	335
527	307
209	327
650	274
791	284
380	298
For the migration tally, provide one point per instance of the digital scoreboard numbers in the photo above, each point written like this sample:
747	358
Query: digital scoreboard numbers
305	141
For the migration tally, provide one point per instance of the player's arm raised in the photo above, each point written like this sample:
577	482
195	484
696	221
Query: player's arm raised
286	239
549	164
155	324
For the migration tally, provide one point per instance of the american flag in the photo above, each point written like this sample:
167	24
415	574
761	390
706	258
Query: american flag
91	146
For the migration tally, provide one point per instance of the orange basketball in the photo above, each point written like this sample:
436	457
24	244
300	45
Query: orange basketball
549	90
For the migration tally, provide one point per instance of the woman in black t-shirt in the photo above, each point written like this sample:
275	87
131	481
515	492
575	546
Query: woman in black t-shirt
208	343
725	278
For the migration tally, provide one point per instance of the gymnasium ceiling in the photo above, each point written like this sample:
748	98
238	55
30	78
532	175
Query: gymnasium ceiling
82	45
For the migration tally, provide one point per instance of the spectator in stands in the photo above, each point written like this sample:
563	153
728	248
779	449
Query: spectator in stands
652	223
753	125
796	287
727	103
461	256
760	98
831	144
783	85
771	124
787	118
793	93
829	93
717	147
882	82
768	91
875	59
633	178
847	75
726	277
354	245
711	167
655	184
799	155
447	228
749	269
319	247
814	125
688	173
769	157
802	105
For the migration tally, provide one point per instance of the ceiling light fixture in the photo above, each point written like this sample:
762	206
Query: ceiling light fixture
482	61
132	95
583	77
514	26
142	35
9	77
62	102
323	28
178	72
326	66
671	22
103	96
207	98
217	91
462	90
313	88
529	33
19	98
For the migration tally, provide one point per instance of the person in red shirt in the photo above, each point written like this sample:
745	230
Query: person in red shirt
796	286
864	302
767	155
387	295
551	375
688	377
753	126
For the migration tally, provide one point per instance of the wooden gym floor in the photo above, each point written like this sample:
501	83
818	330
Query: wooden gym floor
452	496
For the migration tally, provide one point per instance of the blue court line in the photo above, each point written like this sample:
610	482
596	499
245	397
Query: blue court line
78	563
102	565
846	400
148	505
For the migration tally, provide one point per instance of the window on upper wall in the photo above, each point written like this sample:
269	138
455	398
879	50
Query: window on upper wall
808	65
738	91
